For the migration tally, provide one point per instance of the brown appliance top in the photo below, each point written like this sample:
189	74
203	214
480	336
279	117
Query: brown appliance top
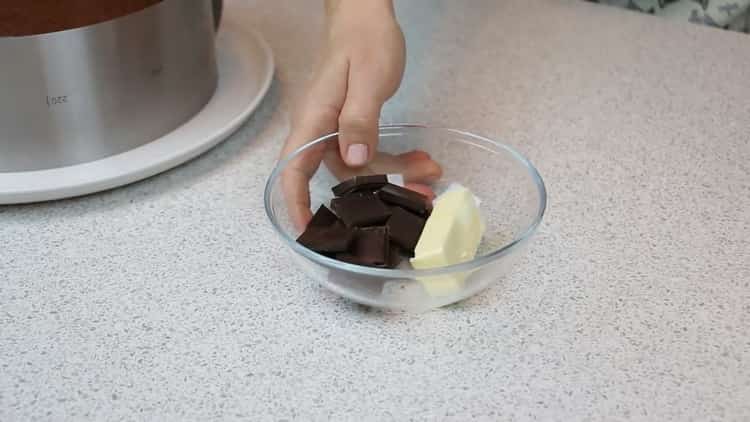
32	17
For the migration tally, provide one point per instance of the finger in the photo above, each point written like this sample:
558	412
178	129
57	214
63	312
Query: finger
295	179
318	115
416	166
358	129
423	189
367	90
417	154
296	176
423	170
319	110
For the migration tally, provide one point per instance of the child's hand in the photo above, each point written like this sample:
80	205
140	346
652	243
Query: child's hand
361	67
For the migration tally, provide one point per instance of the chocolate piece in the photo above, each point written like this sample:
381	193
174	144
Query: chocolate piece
395	255
323	218
370	248
360	184
405	198
394	259
360	210
404	228
327	240
348	258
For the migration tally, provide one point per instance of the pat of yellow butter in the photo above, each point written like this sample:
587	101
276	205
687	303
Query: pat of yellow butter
451	235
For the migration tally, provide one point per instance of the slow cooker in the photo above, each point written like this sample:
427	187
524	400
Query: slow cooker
81	80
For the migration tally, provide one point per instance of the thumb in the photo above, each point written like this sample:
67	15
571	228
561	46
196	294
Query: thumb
358	120
358	130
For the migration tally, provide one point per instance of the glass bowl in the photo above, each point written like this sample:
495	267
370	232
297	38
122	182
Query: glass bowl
513	200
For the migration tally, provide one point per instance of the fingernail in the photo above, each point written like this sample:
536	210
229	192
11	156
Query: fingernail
356	155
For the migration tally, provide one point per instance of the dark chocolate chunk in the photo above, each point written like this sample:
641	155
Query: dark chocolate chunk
360	210
395	255
394	259
405	198
323	218
348	258
360	184
326	240
404	228
370	248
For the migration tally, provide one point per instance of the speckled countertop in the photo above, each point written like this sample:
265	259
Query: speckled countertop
172	299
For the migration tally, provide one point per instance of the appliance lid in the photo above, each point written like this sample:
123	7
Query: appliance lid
24	17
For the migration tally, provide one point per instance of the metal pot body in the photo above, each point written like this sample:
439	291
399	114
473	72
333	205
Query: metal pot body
83	94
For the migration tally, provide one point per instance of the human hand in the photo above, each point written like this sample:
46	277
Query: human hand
360	68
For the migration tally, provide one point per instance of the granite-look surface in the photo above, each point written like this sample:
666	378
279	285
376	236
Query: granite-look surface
172	299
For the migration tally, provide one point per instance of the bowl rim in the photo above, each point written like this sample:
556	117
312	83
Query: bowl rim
472	265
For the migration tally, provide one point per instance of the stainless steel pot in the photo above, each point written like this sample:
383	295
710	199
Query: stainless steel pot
79	95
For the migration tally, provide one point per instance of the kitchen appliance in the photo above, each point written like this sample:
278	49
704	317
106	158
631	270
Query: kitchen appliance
96	94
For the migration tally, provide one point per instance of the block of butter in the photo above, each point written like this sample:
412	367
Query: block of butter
451	235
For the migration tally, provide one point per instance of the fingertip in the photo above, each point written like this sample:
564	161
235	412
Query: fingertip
434	171
357	144
421	188
294	185
416	155
357	155
358	131
423	171
300	218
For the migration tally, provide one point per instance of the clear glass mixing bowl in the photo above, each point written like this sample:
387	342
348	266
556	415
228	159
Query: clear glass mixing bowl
513	200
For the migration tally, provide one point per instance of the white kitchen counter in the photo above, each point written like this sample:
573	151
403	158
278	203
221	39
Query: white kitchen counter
172	299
